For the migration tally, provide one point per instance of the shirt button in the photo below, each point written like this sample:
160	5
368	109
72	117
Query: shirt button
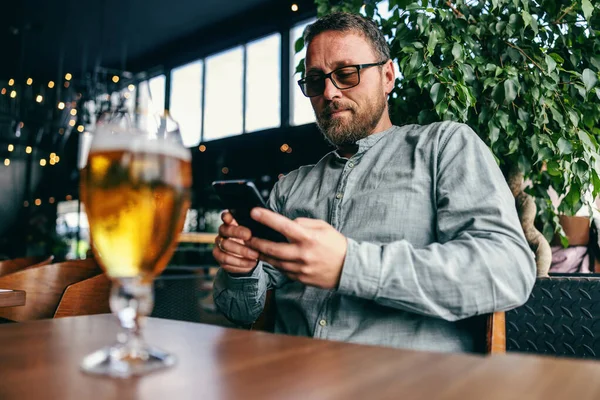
351	165
338	196
322	322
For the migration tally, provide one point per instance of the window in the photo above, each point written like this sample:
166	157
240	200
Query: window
157	93
263	83
301	109
186	101
224	81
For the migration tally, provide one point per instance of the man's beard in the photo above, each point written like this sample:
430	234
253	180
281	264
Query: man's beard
344	131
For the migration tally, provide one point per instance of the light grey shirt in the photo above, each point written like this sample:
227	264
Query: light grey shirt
433	238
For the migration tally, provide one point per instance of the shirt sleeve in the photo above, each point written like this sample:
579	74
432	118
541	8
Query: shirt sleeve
481	262
242	298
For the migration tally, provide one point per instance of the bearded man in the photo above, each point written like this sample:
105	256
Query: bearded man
396	236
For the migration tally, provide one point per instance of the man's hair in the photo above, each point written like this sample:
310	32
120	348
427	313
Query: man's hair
346	22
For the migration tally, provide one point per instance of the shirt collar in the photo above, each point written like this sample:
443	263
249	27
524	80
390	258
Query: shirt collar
365	144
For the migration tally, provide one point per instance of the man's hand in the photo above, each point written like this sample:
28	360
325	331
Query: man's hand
316	252
231	252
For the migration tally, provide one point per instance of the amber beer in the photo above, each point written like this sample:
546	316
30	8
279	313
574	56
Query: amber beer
136	199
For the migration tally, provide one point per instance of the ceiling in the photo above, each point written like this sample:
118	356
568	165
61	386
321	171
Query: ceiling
47	38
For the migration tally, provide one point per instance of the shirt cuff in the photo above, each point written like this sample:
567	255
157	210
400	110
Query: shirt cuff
238	281
360	278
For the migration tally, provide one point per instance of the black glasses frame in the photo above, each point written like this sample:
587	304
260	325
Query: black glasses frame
358	67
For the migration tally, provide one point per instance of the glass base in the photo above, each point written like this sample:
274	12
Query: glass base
120	361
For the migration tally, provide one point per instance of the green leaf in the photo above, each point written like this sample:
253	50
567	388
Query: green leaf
510	91
596	183
468	73
581	169
574	118
589	79
494	132
557	116
544	154
526	18
502	117
550	63
513	146
564	146
498	94
585	138
595	61
437	93
432	42
553	168
299	45
457	51
588	8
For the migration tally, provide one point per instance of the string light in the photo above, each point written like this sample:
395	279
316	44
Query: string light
115	79
29	81
52	155
61	131
13	94
11	147
11	82
72	122
6	162
68	76
69	197
74	112
39	98
28	149
202	148
52	161
131	87
38	202
21	124
56	159
294	7
51	200
127	95
3	91
80	128
225	170
51	84
61	105
25	203
66	84
43	162
284	147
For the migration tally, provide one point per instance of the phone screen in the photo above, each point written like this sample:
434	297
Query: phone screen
240	197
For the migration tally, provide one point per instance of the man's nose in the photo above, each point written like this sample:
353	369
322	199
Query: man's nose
331	91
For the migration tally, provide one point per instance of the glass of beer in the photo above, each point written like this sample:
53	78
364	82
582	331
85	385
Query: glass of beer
136	191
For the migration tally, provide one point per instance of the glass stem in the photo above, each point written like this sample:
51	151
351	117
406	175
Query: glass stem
131	300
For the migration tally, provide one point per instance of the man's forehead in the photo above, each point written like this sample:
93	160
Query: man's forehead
337	49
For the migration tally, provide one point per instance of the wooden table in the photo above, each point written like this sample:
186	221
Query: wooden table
41	360
12	298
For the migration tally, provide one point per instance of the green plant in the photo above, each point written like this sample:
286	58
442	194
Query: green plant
522	73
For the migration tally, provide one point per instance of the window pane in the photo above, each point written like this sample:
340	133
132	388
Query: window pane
224	80
263	83
157	93
152	95
301	110
186	101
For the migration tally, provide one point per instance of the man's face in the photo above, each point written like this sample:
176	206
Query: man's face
345	116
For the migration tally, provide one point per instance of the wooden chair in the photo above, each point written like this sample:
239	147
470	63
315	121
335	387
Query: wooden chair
44	286
495	328
18	264
87	297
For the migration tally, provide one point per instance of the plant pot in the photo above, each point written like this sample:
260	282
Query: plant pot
577	230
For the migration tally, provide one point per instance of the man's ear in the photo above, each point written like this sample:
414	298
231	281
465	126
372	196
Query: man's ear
389	77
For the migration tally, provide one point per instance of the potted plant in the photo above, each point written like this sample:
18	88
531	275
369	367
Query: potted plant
522	73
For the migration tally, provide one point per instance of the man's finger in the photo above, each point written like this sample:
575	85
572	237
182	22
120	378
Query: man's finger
227	217
281	224
230	259
282	251
234	247
232	231
235	270
285	266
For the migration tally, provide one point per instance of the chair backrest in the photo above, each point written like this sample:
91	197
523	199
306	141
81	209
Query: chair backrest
44	286
17	264
494	341
87	297
561	318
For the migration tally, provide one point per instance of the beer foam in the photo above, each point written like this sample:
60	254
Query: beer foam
137	142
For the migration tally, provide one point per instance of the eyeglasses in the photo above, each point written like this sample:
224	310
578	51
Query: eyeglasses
342	78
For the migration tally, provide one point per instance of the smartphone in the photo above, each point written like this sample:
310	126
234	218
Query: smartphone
240	197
